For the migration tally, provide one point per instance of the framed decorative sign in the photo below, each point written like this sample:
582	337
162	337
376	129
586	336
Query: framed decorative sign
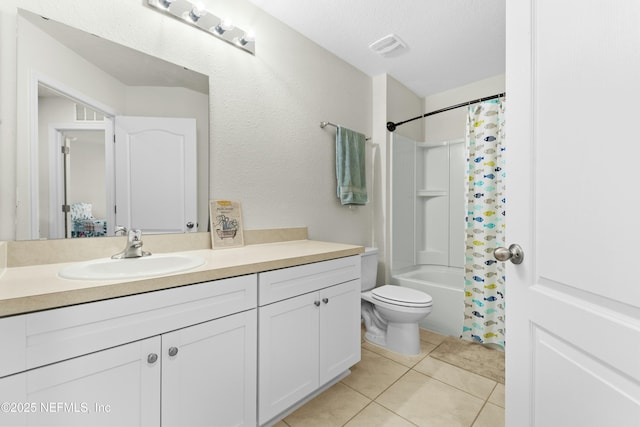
226	224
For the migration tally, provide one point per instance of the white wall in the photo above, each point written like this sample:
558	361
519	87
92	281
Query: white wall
266	147
452	124
88	171
392	101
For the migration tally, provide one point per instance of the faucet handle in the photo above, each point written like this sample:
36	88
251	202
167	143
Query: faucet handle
135	235
119	229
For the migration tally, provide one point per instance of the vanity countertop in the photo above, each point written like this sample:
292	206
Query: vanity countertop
34	288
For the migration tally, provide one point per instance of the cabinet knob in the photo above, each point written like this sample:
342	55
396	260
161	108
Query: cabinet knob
325	300
152	358
316	303
173	351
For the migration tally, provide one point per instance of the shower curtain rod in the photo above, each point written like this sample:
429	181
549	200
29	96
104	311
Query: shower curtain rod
392	126
325	124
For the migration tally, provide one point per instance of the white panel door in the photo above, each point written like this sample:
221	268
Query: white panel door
118	386
156	174
573	331
289	354
339	329
209	373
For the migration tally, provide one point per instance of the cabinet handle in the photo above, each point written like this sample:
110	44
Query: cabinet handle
325	300
152	358
173	351
316	303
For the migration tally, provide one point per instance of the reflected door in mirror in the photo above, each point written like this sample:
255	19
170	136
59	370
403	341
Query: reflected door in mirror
156	174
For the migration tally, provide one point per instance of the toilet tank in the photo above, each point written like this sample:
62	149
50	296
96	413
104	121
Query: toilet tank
369	268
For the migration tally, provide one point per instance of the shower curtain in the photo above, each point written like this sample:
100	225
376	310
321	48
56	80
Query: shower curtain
484	313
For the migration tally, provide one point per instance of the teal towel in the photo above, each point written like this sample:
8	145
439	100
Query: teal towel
350	167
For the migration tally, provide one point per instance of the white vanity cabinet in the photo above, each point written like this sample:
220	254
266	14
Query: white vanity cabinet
116	386
209	373
241	351
182	356
309	335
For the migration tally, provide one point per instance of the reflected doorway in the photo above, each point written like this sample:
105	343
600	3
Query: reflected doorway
83	204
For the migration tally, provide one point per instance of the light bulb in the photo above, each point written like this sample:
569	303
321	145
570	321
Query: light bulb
197	12
248	37
165	3
223	26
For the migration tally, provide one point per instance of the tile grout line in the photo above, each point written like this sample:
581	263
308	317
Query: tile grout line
391	385
479	412
412	368
404	364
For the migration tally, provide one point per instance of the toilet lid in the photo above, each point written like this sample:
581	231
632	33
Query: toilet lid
400	295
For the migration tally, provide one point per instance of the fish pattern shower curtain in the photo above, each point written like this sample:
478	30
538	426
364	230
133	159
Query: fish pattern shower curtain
484	313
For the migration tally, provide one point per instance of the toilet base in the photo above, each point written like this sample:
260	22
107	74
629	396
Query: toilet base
400	337
403	338
376	339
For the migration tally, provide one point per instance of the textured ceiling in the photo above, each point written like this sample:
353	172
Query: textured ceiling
450	43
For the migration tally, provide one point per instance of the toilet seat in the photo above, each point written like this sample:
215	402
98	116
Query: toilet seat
401	296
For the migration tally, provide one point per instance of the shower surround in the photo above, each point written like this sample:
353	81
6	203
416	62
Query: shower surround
427	236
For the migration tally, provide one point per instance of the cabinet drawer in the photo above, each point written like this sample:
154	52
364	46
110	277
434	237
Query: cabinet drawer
63	333
277	285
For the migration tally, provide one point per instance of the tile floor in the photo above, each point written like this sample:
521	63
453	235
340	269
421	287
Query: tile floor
390	390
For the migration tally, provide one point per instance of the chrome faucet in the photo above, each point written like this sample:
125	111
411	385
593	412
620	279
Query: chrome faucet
133	249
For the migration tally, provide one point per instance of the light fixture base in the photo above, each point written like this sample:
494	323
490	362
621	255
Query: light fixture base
207	21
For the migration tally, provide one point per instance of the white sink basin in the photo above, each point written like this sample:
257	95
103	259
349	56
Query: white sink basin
131	268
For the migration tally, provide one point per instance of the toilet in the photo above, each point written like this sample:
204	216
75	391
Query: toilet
391	313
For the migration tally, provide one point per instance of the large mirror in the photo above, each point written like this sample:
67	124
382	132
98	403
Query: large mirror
82	93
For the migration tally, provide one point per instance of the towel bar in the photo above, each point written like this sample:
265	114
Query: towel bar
325	124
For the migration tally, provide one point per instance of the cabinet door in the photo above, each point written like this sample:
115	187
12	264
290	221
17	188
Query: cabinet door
288	348
117	386
209	373
339	329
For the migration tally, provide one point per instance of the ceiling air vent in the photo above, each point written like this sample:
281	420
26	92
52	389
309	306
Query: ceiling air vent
389	44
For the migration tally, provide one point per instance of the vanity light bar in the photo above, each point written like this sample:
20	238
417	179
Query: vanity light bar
196	15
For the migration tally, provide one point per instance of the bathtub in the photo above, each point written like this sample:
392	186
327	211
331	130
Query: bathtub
446	287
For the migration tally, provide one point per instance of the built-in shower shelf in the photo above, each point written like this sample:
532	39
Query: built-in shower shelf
432	193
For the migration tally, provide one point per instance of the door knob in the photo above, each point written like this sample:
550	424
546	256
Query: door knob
325	300
152	358
173	351
514	253
190	225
